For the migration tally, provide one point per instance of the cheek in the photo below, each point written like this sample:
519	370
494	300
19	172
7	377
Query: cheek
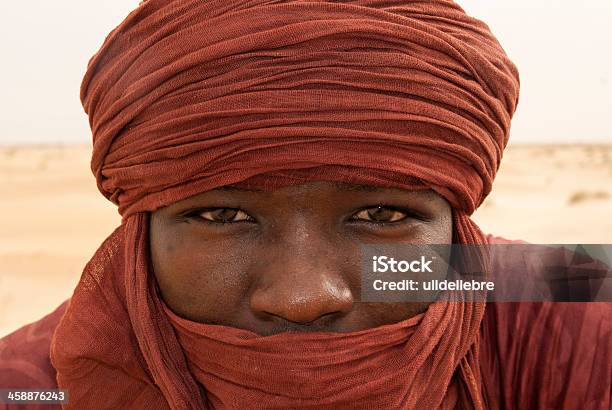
441	232
436	232
201	280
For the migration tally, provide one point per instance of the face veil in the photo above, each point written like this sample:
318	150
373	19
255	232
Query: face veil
185	96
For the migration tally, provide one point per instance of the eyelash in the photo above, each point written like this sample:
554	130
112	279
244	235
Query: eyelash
408	215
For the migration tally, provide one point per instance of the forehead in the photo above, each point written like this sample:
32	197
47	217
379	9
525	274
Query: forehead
323	193
312	193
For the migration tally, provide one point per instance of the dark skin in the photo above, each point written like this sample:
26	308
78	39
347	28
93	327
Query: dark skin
289	259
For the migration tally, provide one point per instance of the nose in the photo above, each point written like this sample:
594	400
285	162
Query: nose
302	284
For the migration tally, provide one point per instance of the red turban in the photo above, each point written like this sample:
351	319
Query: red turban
188	95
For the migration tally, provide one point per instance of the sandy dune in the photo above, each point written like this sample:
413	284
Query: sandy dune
52	218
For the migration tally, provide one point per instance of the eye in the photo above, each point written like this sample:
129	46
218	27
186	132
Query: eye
381	214
223	215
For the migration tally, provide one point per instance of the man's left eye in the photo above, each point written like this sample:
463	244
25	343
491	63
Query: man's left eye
381	214
224	215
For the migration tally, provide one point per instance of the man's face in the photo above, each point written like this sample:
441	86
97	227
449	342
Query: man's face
289	259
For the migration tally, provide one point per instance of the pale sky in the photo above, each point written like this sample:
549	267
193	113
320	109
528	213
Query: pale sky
563	50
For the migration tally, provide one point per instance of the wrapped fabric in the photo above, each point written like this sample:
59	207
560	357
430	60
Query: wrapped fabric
187	95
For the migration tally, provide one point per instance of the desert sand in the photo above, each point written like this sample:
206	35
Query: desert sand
52	218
